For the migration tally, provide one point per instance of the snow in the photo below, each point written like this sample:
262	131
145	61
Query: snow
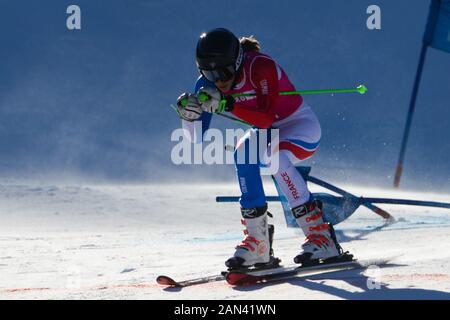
97	241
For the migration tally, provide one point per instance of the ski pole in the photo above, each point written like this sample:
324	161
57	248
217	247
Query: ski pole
361	89
203	97
234	119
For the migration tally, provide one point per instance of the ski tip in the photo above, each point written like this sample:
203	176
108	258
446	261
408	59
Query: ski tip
238	278
166	281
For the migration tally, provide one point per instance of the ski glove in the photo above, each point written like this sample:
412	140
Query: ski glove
188	107
213	101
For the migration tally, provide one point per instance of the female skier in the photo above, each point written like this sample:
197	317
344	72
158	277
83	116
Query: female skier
229	65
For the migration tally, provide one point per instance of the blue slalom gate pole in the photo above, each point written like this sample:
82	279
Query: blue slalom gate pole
236	199
412	107
406	202
360	200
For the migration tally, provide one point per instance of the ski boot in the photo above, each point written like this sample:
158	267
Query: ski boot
255	252
320	245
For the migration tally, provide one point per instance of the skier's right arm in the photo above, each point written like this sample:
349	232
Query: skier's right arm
193	130
189	107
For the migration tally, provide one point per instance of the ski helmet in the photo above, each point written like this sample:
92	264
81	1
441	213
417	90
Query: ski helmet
219	55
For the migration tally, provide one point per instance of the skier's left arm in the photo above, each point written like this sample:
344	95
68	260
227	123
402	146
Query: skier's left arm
264	78
264	75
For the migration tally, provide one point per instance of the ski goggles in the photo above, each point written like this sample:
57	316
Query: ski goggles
223	74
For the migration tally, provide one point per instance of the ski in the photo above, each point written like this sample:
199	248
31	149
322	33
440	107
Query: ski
237	278
170	282
241	277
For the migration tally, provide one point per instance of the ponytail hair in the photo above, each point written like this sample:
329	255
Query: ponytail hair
250	44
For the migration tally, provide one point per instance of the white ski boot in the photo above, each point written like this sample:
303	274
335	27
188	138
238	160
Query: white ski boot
320	244
255	251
